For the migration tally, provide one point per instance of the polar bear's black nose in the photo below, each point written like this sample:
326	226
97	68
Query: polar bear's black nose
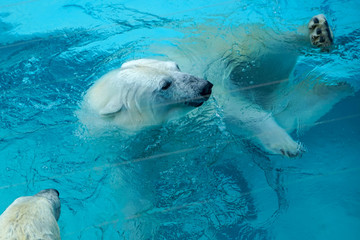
53	190
57	192
47	191
206	91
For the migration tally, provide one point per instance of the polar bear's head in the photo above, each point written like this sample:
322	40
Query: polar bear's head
52	196
146	92
32	217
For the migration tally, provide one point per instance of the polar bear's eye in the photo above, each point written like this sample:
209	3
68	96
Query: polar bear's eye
177	66
166	85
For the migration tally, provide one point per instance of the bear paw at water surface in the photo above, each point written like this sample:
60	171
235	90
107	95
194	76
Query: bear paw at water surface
32	217
144	92
320	32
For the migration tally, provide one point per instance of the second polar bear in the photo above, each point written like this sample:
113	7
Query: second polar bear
144	92
32	217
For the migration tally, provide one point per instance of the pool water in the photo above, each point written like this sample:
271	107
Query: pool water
190	178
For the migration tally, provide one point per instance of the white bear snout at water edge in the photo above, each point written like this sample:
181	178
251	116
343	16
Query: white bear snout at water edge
144	92
32	217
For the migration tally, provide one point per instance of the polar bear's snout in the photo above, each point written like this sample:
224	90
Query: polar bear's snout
200	91
205	92
52	195
183	89
49	192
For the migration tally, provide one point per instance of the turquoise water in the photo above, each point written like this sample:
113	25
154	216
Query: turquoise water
191	178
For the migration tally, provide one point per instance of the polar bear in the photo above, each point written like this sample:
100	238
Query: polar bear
32	217
252	68
144	92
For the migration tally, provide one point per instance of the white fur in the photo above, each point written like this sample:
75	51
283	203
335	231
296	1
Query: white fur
131	97
30	218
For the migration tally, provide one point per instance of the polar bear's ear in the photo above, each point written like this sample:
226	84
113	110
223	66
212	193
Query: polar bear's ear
112	106
172	66
152	63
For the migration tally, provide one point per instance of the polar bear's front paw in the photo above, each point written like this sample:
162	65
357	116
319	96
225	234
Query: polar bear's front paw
293	151
320	32
282	144
289	149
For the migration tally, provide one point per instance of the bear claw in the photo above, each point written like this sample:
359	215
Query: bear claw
288	154
320	32
284	146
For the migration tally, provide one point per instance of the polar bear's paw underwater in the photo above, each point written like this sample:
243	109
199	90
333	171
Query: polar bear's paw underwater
32	217
143	92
